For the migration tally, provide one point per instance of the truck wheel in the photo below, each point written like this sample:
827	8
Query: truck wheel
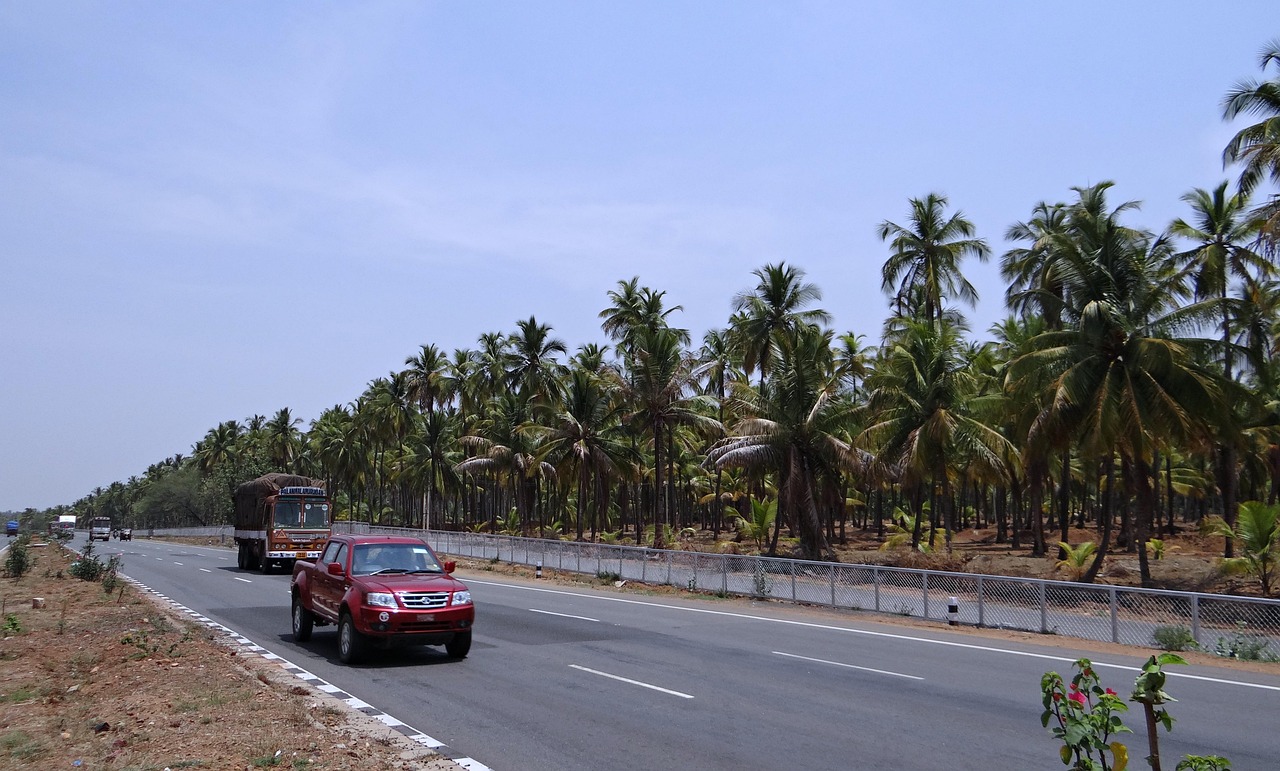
241	561
459	646
303	622
350	641
264	565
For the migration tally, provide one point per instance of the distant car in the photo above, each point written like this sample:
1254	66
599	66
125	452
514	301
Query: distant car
125	534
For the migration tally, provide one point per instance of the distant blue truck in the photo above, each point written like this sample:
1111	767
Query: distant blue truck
11	528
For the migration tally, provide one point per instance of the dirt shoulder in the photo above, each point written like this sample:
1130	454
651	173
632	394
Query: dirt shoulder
105	677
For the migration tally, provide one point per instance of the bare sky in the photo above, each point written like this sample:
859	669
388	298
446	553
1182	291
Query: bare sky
215	210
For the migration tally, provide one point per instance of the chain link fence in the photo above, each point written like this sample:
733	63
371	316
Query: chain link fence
1243	627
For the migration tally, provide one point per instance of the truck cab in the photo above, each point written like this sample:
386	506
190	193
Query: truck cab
100	529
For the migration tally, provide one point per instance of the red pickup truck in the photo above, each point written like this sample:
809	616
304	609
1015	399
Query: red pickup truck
382	590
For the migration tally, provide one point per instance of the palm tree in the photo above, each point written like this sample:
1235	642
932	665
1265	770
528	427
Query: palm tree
924	413
633	307
657	391
1257	147
1035	286
1116	382
1258	531
1219	258
426	377
284	443
924	266
792	427
431	444
530	364
773	310
586	435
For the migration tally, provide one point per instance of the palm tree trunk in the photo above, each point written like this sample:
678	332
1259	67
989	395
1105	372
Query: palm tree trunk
1105	542
1146	510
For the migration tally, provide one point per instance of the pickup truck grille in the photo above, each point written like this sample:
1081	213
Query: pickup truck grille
420	600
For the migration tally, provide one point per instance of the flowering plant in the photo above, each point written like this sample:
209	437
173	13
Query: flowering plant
1085	716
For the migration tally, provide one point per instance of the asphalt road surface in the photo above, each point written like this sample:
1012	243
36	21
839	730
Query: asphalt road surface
569	678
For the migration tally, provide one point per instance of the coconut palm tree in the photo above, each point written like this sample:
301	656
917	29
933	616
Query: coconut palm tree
425	376
924	266
1256	148
632	308
792	427
1220	232
1035	287
531	367
586	435
658	394
284	442
925	413
773	311
1117	382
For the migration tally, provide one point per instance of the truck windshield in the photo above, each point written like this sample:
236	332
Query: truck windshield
314	513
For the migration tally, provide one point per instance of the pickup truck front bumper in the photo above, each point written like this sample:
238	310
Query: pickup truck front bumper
414	627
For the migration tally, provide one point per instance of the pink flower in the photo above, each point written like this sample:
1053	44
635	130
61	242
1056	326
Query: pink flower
1077	697
1111	692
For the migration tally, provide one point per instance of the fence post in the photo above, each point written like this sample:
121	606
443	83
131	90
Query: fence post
1195	618
982	609
669	570
644	565
875	576
1115	616
792	566
1044	609
924	583
833	585
724	574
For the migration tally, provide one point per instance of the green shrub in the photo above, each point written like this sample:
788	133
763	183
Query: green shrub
1174	638
18	561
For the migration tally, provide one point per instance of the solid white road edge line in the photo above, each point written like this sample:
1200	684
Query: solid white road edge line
848	666
869	633
632	682
563	615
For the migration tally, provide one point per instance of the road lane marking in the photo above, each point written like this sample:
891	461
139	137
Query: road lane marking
632	682
238	578
205	570
848	666
869	633
564	615
177	563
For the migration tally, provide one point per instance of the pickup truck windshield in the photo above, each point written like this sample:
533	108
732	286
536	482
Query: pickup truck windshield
302	514
371	559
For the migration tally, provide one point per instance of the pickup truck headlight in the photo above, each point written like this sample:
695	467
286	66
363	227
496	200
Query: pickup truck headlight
380	599
460	598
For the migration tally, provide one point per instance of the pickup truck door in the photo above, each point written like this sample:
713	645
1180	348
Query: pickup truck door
327	590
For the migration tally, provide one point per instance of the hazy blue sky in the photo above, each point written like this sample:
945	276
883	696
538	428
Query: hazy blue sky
215	210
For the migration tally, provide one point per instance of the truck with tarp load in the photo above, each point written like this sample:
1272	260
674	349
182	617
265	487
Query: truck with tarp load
64	527
280	518
11	528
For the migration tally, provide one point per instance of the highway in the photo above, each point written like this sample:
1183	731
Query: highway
563	678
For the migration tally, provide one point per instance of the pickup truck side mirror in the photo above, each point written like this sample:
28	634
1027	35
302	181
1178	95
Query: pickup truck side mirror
450	566
334	568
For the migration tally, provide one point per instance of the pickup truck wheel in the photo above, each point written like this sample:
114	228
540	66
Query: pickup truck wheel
459	646
350	641
303	622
